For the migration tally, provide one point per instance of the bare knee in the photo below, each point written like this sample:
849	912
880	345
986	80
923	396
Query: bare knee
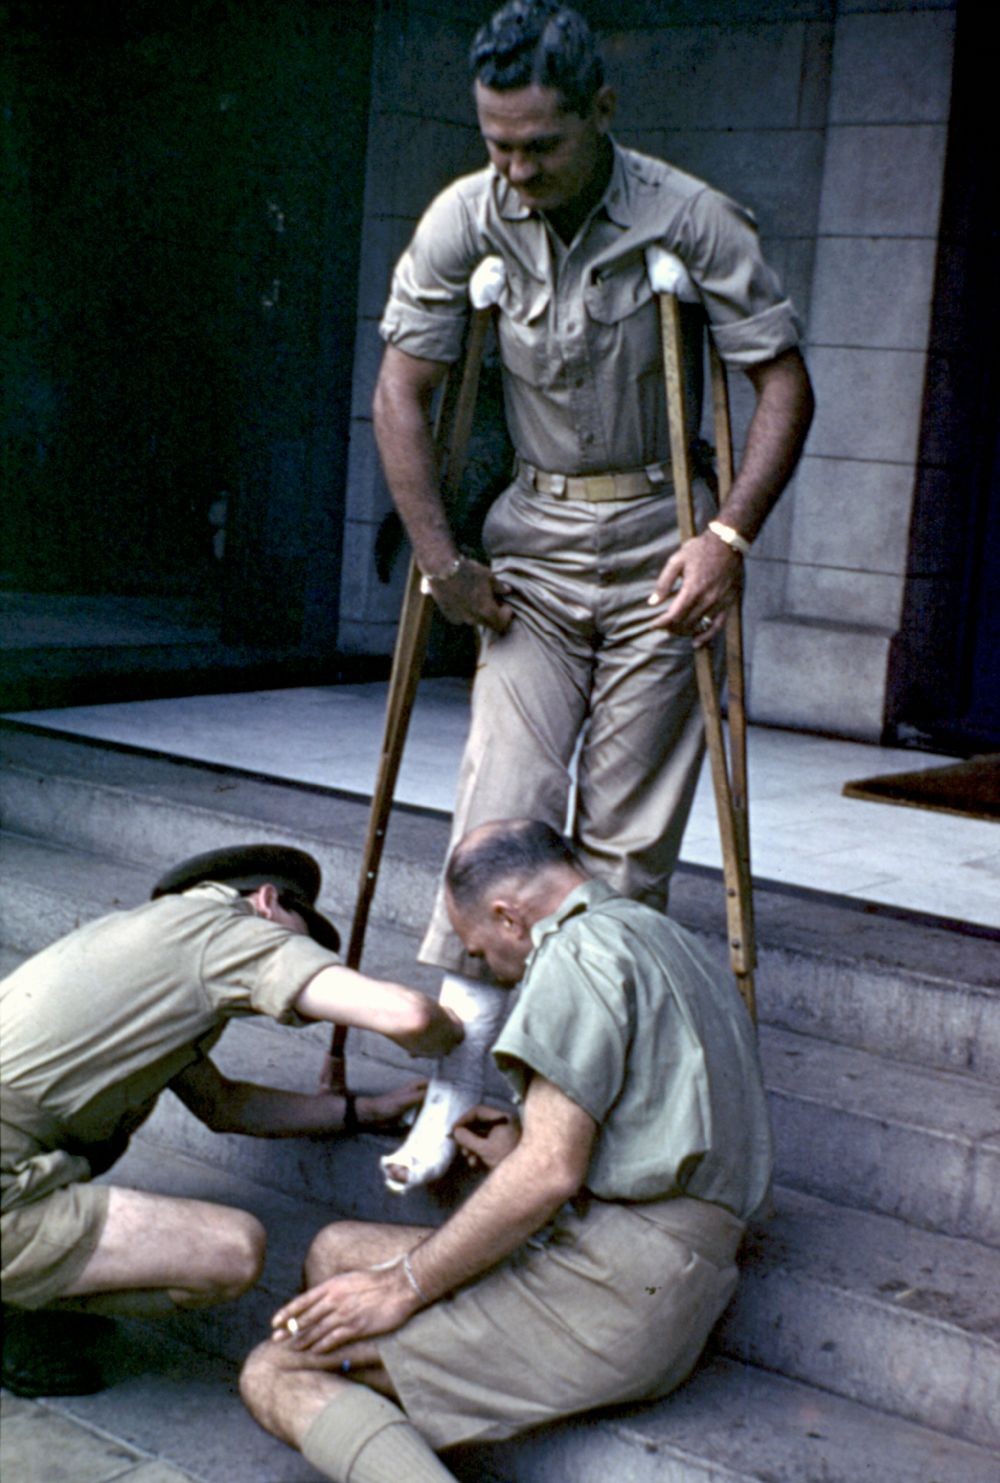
257	1385
238	1260
283	1396
334	1249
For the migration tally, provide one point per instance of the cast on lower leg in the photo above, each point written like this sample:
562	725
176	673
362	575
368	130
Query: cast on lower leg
361	1437
456	1087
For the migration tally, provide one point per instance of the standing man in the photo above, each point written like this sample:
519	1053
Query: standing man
590	608
102	1021
590	1265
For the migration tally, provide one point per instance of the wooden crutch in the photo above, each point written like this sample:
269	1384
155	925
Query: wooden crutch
453	425
671	283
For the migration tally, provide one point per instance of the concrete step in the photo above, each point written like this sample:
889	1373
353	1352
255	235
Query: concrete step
849	1127
729	1424
907	1141
849	973
853	1303
872	1310
862	1130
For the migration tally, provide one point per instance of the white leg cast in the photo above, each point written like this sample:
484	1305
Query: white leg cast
457	1085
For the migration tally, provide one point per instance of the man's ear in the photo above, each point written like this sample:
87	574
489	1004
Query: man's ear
507	914
264	900
605	104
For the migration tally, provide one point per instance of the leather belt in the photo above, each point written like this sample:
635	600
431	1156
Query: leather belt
655	478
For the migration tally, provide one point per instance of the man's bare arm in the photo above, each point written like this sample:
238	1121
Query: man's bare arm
228	1106
403	396
525	1190
710	573
415	1022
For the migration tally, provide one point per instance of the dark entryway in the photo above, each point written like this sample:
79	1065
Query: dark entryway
185	188
947	672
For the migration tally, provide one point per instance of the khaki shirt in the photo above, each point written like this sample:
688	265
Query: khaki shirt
96	1025
578	327
624	1011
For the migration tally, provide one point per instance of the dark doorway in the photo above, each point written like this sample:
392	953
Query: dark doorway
947	665
186	182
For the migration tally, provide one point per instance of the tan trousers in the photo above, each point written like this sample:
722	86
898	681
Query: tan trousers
580	658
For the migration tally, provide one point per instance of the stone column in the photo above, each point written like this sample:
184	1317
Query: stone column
823	664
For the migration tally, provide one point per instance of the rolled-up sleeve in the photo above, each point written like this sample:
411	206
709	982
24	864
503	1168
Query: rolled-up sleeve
255	966
429	298
750	318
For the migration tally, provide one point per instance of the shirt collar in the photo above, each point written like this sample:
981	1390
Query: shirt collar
580	899
616	202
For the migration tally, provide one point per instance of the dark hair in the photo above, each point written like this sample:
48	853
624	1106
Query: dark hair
543	42
508	847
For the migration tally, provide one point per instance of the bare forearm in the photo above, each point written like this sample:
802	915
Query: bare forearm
546	1168
464	591
774	443
406	448
267	1112
415	1022
515	1201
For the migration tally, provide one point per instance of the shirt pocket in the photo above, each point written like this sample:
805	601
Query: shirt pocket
522	327
620	303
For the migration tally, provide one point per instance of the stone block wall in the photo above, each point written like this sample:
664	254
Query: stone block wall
822	661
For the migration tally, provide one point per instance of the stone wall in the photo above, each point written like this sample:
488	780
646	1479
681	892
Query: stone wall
822	662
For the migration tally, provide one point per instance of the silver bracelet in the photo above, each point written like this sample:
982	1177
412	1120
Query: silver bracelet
730	537
408	1273
427	579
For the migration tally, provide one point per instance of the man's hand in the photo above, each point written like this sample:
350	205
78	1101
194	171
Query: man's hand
472	595
350	1306
708	577
486	1136
388	1107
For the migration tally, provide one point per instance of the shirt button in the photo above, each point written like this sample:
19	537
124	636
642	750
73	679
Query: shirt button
578	382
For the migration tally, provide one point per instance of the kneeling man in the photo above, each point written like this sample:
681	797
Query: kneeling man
95	1027
590	1265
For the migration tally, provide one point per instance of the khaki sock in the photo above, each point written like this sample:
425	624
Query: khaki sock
361	1437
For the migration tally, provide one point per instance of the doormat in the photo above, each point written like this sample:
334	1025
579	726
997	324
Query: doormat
969	788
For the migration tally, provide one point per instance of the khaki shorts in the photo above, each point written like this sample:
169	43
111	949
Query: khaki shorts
610	1306
46	1245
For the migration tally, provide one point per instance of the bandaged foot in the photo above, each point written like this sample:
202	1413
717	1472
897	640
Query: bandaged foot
456	1087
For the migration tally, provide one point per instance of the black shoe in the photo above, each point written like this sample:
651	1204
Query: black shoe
51	1353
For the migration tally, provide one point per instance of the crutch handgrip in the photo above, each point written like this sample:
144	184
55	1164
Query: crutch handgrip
668	275
487	283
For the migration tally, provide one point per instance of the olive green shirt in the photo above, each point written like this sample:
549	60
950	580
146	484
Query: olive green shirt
578	327
623	1010
97	1024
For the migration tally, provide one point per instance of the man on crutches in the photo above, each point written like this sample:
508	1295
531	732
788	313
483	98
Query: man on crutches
586	540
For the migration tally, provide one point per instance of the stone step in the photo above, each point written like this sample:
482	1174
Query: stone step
729	1424
907	1141
851	973
849	1126
855	1304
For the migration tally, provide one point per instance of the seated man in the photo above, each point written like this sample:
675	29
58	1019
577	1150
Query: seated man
590	1265
95	1027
